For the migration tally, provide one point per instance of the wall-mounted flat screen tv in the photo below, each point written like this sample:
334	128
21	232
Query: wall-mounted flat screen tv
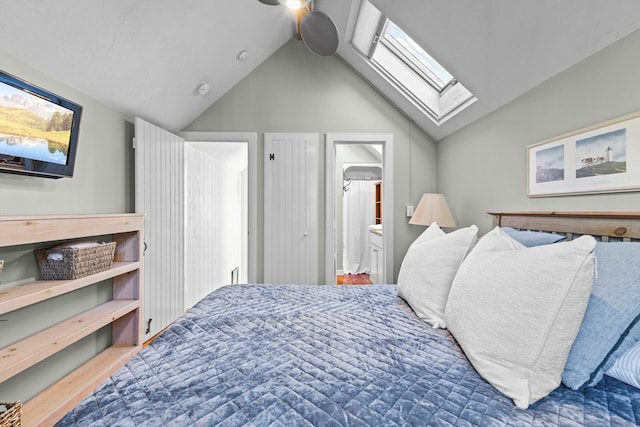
38	130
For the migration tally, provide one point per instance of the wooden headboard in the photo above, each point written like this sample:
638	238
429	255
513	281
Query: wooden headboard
612	226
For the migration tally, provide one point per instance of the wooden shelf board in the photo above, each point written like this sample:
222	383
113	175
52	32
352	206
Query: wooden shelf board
24	295
20	230
25	353
52	404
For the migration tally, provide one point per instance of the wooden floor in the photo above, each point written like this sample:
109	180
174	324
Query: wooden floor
353	279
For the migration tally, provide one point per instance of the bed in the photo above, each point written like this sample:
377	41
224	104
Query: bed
278	355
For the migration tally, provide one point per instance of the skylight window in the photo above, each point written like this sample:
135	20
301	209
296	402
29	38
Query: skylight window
415	56
408	67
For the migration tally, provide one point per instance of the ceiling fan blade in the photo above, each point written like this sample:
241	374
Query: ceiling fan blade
319	33
270	2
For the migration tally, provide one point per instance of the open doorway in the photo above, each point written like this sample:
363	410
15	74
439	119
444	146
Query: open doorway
220	181
358	215
359	240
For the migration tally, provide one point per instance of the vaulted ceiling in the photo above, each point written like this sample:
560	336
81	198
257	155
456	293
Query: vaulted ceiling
147	57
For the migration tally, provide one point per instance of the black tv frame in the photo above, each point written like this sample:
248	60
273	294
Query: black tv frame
39	168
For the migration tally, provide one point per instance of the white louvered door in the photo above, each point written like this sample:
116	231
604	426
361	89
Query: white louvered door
159	195
291	170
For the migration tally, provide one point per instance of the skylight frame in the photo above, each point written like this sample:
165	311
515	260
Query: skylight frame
437	98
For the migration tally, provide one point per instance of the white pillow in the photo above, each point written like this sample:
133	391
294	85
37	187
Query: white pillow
516	311
429	267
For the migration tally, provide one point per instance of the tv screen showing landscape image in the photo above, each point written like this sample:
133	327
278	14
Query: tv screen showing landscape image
38	130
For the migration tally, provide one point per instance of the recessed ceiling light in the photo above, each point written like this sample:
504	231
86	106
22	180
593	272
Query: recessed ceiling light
204	88
242	55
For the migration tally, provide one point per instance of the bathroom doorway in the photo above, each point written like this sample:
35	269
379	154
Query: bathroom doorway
357	215
359	242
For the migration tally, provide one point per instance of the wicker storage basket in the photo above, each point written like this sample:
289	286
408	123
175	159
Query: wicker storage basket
67	263
12	417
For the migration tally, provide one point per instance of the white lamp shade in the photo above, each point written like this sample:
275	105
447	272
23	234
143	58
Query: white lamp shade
432	208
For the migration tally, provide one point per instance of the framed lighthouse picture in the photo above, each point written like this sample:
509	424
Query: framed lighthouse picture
603	158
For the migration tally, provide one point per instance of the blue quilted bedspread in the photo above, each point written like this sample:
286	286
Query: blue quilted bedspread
267	355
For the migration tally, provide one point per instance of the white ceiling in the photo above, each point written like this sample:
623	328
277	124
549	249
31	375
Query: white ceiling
232	154
146	57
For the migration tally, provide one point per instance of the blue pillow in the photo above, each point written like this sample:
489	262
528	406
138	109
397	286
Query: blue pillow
609	324
533	238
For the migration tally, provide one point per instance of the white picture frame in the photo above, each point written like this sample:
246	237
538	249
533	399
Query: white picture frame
603	158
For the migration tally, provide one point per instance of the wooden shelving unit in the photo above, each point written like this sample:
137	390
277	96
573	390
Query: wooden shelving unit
123	312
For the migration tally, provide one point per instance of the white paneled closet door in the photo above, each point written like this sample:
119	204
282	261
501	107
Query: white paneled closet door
291	208
159	195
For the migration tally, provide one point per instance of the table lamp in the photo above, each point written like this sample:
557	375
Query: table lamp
433	208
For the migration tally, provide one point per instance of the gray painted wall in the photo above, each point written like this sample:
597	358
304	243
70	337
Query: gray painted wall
102	183
297	91
103	177
482	167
